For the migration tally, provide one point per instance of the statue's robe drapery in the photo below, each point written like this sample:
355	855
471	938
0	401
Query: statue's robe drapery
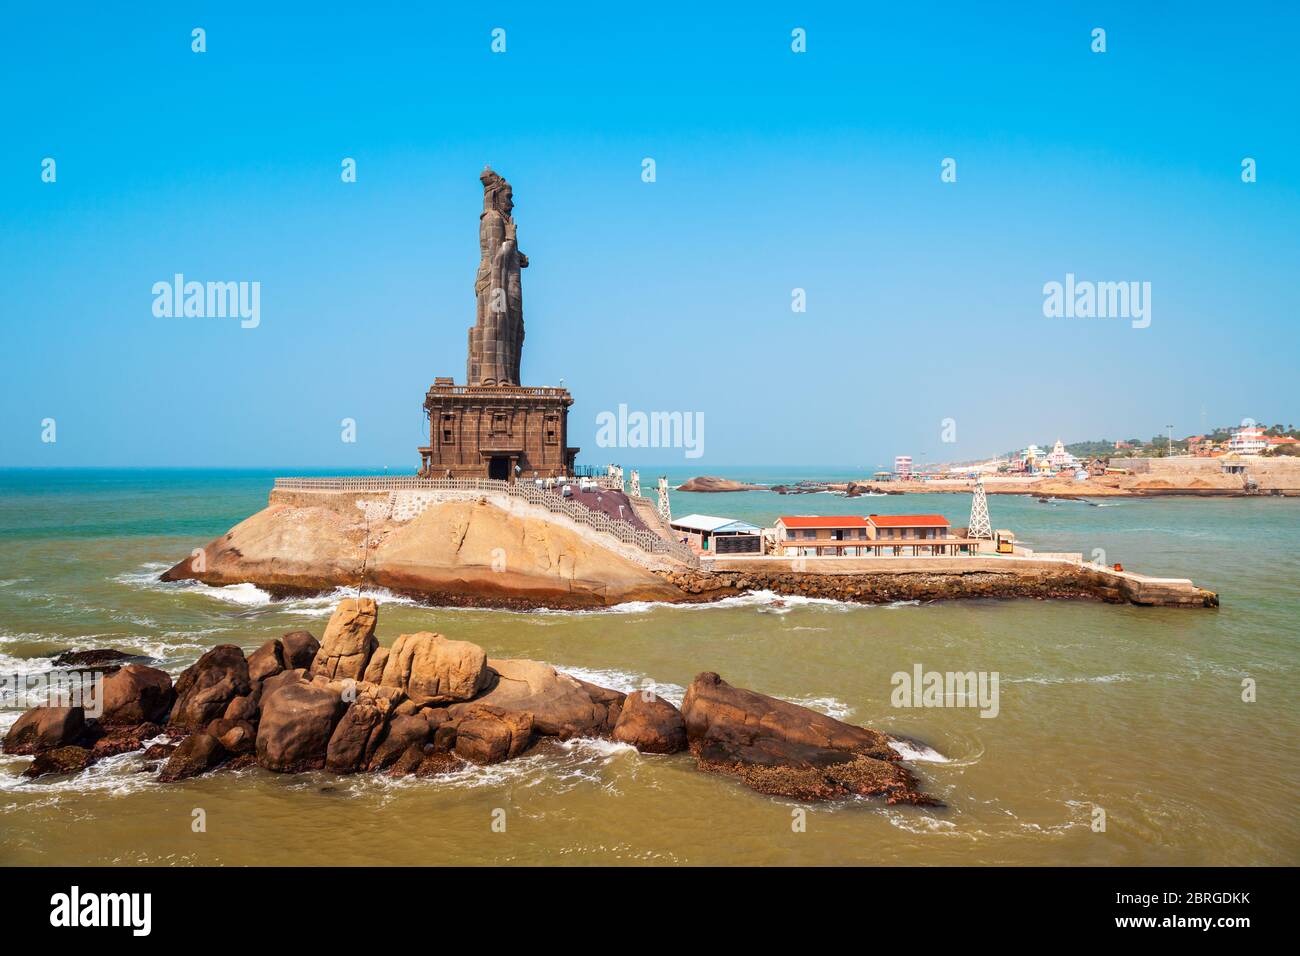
497	339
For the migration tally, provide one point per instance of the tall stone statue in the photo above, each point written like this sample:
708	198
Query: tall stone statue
495	429
497	339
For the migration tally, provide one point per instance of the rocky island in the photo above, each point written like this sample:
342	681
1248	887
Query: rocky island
497	516
712	483
428	705
484	551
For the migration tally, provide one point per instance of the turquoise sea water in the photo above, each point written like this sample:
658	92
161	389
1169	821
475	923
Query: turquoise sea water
1137	711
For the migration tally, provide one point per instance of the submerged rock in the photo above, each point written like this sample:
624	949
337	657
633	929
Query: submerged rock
196	754
157	753
424	761
780	748
106	659
121	739
60	760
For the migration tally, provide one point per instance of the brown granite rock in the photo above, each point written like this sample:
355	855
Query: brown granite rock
359	733
157	753
487	735
60	760
402	733
298	649
611	701
206	688
121	738
349	640
266	661
650	724
196	754
137	694
45	728
434	670
423	761
242	708
712	483
780	748
297	722
236	736
375	669
559	704
283	679
444	736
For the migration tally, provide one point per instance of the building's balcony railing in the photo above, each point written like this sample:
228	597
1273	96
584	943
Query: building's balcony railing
500	391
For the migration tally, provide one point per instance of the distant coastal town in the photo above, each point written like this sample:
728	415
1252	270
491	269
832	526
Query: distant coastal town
1246	440
1243	461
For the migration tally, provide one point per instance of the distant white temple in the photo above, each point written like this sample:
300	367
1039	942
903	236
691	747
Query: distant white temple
1059	458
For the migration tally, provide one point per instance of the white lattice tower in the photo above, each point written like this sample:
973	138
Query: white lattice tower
980	527
665	509
636	483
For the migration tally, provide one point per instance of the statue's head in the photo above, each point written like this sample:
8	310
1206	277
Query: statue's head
497	193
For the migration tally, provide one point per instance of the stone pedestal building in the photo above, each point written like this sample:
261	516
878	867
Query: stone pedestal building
493	427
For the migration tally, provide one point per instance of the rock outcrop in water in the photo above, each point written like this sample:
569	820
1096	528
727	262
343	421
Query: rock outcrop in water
454	553
438	705
780	748
712	483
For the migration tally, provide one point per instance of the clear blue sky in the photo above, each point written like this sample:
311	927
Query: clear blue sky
775	170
